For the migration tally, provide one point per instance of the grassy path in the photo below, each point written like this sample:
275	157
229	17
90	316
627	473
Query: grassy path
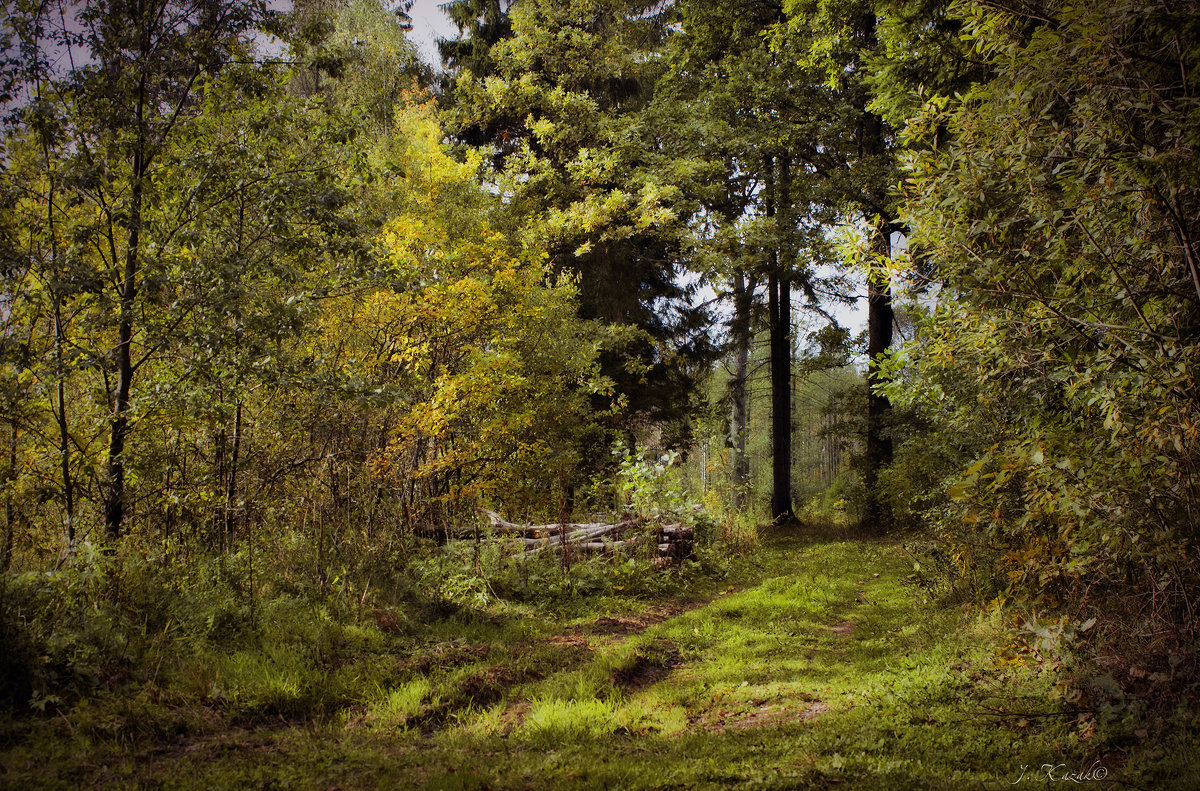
820	667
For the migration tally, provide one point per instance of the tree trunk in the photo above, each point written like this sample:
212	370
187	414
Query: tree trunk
60	417
743	295
780	319
878	451
10	517
231	485
878	454
114	506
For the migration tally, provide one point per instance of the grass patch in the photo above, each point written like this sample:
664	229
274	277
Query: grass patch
394	708
821	664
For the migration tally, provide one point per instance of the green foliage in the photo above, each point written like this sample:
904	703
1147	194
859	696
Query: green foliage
481	25
317	292
275	340
653	490
1057	369
560	113
839	503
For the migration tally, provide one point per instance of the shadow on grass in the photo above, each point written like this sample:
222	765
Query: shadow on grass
822	666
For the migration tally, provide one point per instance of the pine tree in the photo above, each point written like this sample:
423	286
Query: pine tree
564	121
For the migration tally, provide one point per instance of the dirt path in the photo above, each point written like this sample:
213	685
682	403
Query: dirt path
822	667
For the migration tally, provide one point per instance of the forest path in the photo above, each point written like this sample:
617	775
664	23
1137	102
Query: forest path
821	665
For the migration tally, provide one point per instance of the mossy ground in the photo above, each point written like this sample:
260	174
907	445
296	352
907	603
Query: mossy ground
818	665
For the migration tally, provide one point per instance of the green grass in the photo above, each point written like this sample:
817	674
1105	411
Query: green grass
820	665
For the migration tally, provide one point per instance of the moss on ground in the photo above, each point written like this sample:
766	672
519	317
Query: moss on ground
820	665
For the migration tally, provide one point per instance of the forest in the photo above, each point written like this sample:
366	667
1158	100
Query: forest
637	394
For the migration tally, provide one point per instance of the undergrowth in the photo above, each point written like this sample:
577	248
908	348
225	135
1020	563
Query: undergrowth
159	641
820	659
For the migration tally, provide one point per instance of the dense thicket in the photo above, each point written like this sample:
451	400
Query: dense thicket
245	294
1057	201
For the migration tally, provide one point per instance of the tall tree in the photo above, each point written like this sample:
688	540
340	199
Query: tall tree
481	25
150	59
779	321
853	151
751	108
578	161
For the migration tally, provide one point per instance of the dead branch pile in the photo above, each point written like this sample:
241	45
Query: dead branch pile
672	541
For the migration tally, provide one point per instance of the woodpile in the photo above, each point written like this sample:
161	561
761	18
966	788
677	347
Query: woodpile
673	542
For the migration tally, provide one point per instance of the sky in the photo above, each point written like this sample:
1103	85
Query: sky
429	24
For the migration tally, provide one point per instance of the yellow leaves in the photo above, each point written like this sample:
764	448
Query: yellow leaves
966	484
429	419
543	129
411	243
424	155
474	351
409	353
653	205
610	215
494	354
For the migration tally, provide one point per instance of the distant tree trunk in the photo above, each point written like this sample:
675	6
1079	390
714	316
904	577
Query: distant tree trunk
743	301
60	417
779	297
231	486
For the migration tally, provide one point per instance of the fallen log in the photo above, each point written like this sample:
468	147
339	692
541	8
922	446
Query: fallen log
672	541
603	546
579	542
499	524
581	534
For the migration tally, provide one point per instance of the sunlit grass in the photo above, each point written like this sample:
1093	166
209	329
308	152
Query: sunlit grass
552	721
394	708
822	665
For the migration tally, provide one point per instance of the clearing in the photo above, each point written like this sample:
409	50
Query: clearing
820	664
